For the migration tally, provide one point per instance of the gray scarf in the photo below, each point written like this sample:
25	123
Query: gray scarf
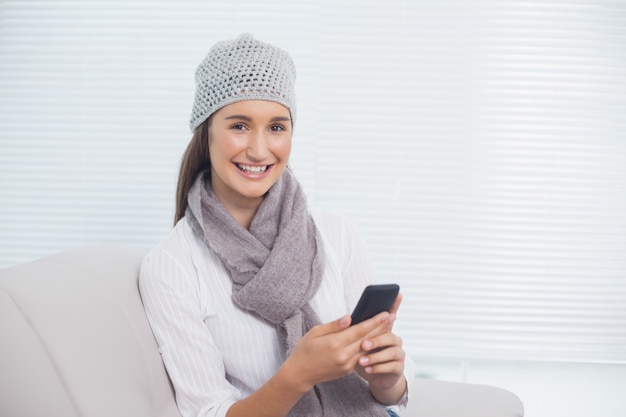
276	268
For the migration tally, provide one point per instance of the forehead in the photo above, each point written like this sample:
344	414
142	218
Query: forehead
253	109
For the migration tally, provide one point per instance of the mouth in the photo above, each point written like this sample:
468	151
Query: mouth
252	169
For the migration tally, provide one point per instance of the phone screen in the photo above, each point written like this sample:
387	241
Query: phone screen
375	299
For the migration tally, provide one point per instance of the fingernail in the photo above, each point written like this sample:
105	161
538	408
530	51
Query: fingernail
364	360
368	344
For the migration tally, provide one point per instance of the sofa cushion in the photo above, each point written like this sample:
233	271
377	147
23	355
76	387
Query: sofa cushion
75	339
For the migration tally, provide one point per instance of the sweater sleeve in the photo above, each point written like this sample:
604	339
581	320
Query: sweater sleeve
171	296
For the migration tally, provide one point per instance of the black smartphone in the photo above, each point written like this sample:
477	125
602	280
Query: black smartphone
375	299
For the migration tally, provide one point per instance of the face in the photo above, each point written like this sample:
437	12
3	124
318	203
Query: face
249	147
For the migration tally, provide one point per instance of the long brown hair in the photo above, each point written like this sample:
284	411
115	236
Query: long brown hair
195	159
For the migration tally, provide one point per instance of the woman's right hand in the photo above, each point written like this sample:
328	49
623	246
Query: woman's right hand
332	350
327	352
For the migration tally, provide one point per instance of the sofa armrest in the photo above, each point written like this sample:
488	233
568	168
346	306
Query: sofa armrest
76	341
434	398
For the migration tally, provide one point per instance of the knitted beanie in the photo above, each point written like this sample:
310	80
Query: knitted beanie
243	69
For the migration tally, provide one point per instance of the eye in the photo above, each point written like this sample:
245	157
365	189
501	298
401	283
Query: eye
238	126
277	128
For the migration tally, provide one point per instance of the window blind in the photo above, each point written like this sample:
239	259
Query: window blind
487	166
478	145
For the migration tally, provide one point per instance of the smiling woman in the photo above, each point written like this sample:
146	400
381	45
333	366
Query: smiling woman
248	253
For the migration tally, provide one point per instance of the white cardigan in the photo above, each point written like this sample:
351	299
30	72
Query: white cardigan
215	353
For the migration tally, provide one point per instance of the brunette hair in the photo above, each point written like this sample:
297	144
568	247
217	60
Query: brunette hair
195	160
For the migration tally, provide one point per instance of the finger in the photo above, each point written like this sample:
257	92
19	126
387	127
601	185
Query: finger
390	367
374	344
344	322
334	326
349	337
371	327
383	356
396	304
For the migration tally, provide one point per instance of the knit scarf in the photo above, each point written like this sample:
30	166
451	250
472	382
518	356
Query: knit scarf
276	267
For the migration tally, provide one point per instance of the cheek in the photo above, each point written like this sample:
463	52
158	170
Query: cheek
222	148
285	148
211	149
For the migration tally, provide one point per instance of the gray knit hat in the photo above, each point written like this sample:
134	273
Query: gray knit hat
243	69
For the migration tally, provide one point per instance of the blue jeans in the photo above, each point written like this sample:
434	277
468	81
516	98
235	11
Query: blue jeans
392	413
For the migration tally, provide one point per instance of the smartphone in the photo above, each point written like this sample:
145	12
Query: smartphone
375	299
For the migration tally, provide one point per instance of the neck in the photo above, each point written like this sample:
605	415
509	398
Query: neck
242	210
242	215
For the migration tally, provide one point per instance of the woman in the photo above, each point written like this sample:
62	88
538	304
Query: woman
237	293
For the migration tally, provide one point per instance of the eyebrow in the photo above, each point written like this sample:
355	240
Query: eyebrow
249	119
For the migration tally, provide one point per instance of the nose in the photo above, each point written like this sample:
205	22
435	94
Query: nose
258	147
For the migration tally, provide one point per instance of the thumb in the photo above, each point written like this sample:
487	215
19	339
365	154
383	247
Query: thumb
334	326
343	322
338	325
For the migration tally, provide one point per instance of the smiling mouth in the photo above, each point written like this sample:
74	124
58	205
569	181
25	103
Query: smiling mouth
252	169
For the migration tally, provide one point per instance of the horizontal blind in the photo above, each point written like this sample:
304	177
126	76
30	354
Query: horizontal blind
479	146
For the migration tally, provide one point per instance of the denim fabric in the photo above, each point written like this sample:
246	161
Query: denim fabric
392	413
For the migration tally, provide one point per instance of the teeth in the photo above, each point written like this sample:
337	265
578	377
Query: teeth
252	169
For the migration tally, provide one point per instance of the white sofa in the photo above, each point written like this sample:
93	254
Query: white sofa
74	341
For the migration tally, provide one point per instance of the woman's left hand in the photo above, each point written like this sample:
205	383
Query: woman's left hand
382	363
